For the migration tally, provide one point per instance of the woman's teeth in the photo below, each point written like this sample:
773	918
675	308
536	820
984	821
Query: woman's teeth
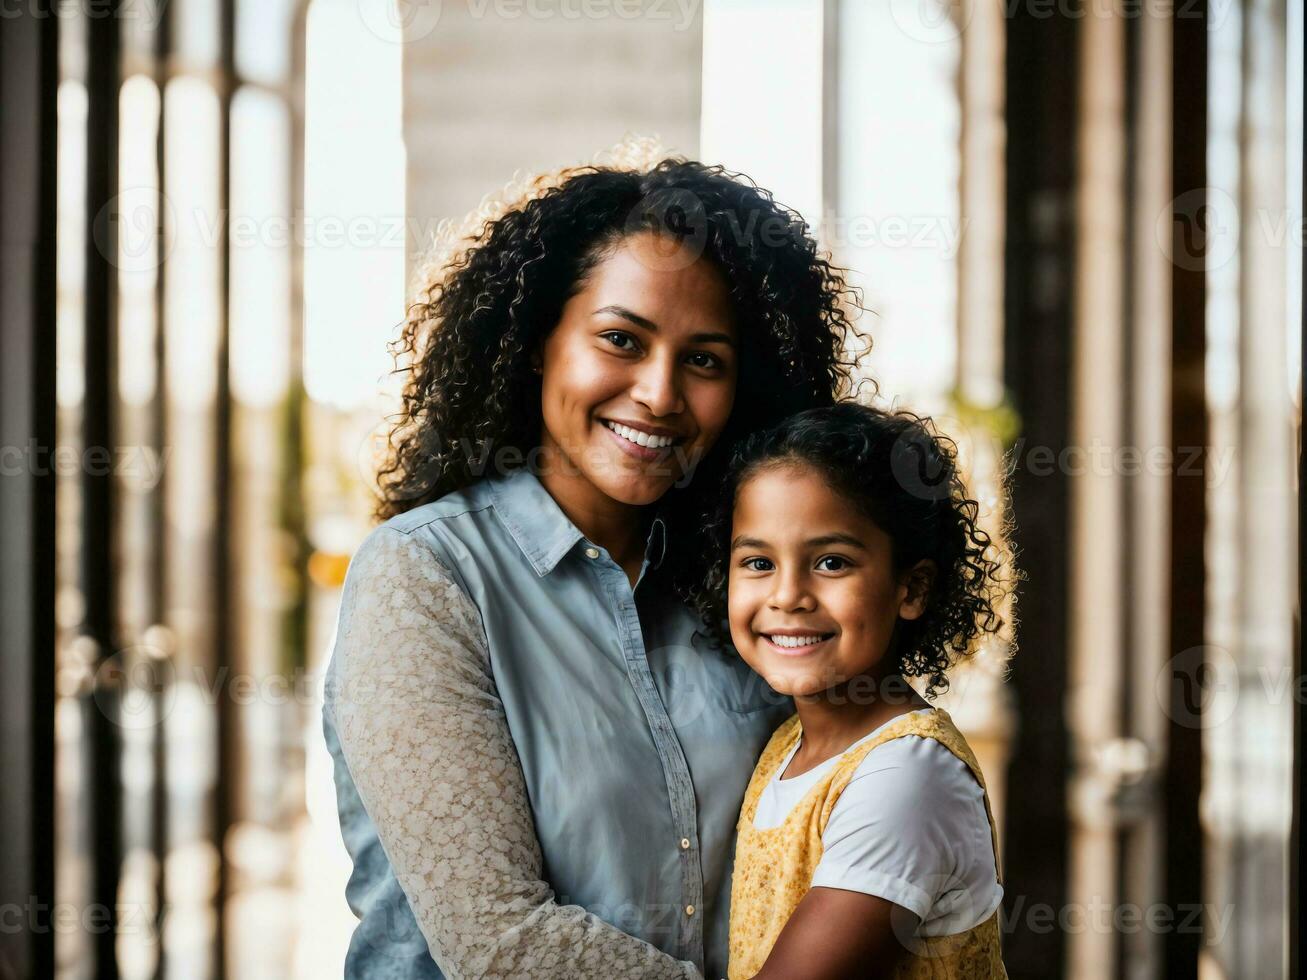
638	437
794	641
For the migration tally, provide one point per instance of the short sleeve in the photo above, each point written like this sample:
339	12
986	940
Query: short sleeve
911	827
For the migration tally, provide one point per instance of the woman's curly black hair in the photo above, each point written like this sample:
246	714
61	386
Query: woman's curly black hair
469	387
903	475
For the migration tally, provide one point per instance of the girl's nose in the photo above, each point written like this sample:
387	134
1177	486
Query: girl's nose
792	594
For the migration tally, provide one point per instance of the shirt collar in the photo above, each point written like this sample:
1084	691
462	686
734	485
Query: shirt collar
542	531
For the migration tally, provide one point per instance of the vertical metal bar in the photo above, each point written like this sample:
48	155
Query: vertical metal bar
99	586
294	633
1189	427
1296	877
158	514
830	110
224	632
28	159
1127	856
1039	260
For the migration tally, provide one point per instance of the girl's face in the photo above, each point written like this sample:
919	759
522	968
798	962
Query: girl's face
639	375
813	595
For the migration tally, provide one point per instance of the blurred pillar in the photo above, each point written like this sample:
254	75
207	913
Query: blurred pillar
1041	74
1146	306
1100	397
986	711
98	578
1247	728
28	79
747	101
1183	772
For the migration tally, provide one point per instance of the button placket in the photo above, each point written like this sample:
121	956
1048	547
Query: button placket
675	766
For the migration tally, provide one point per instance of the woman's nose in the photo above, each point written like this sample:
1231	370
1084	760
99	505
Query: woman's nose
658	387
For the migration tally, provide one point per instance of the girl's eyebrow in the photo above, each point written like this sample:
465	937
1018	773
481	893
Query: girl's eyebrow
640	321
817	542
835	538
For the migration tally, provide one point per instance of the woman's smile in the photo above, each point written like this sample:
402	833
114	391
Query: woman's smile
645	444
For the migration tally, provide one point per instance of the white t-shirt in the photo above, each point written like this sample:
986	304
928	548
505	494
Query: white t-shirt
910	827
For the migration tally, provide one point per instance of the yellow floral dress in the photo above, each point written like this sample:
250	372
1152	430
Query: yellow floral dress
774	867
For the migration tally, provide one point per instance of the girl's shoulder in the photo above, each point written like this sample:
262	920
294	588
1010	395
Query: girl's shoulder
913	771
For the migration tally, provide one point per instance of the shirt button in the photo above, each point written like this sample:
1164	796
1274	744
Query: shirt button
685	843
689	910
592	552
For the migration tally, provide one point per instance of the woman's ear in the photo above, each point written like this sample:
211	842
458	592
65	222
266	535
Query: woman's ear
918	580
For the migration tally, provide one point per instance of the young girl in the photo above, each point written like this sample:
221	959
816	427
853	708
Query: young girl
850	559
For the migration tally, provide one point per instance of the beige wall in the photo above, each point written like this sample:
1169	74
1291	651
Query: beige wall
499	87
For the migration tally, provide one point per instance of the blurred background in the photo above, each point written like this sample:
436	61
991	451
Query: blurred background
1078	228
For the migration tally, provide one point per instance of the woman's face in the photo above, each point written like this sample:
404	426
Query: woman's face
639	375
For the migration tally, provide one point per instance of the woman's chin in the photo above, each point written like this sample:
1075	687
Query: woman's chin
635	489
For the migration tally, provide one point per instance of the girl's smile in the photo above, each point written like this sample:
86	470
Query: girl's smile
796	646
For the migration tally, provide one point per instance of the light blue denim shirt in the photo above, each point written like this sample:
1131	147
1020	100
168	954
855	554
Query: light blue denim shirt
635	738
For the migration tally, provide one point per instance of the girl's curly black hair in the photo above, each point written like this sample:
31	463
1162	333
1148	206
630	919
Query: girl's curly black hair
903	475
470	390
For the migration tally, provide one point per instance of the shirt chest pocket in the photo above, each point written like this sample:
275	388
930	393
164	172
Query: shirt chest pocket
703	686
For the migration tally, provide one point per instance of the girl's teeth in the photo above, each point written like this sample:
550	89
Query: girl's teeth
795	641
638	437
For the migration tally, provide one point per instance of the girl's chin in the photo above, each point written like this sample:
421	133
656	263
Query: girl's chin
795	684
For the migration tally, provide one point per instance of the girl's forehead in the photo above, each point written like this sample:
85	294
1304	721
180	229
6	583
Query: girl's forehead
786	490
788	493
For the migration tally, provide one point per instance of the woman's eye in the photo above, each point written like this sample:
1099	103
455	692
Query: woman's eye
832	563
757	564
619	340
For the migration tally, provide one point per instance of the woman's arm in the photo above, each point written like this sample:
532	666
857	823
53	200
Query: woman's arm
427	744
838	935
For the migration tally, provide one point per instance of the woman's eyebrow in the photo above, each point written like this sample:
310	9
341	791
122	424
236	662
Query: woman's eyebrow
647	324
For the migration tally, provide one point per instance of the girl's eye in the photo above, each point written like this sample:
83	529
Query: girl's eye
757	564
618	338
832	563
702	359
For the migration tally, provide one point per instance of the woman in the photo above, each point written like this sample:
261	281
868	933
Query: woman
539	761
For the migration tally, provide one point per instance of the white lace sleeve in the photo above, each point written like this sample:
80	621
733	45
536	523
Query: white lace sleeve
427	744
